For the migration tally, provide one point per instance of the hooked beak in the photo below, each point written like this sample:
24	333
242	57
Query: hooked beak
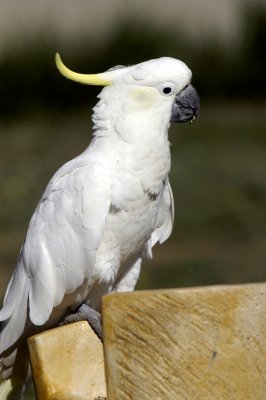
186	105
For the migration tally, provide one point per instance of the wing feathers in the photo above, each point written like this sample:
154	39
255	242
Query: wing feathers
60	248
165	218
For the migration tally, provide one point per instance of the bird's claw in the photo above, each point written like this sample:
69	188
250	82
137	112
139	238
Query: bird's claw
86	313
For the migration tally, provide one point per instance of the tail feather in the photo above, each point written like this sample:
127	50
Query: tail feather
14	311
13	389
15	374
5	389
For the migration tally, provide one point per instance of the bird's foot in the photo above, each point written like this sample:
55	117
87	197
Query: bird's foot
86	313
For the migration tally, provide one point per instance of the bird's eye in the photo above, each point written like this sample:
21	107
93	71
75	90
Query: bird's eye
167	88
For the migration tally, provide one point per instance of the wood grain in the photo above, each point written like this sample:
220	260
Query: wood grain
186	344
67	363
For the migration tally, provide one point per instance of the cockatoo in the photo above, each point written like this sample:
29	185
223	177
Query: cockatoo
101	213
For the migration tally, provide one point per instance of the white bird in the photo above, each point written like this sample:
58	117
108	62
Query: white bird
102	212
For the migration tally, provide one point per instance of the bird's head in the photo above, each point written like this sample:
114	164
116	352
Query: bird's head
160	85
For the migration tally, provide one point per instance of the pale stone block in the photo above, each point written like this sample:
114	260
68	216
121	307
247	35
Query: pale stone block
186	344
67	363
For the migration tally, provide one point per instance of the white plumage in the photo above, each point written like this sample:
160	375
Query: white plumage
102	212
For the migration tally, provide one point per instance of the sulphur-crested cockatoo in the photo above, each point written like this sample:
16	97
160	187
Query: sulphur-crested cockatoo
102	212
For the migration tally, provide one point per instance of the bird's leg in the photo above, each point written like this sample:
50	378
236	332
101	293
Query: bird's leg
86	313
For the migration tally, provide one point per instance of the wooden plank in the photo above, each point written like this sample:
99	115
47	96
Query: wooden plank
67	363
186	344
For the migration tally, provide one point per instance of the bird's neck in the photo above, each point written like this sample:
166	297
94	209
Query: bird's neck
134	143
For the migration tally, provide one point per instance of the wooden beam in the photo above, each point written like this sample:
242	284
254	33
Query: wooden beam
185	344
67	363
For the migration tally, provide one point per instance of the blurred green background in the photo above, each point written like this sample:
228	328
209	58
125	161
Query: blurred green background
218	163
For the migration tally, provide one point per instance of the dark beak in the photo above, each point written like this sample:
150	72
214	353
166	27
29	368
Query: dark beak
186	105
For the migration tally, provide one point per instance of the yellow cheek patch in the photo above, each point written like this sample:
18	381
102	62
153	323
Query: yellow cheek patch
144	97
